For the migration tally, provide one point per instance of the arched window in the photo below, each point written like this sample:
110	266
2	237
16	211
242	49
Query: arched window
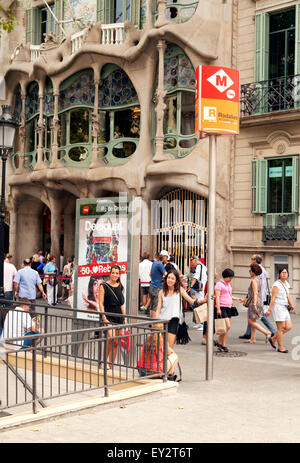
179	117
32	110
180	11
119	114
75	105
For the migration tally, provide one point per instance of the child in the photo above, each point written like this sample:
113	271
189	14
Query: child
152	358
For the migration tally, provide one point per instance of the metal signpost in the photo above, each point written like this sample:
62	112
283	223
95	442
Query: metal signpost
217	113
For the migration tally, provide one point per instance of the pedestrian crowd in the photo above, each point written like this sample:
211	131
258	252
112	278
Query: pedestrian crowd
37	277
165	292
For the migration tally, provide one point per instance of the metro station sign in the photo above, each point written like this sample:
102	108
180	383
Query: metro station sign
217	100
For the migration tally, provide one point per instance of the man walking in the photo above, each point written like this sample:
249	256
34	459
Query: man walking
144	277
26	281
198	283
157	273
265	293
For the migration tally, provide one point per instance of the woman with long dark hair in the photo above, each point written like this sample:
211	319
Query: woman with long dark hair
281	306
169	303
93	293
111	299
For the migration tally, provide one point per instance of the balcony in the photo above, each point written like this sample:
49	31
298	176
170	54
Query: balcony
278	95
111	34
280	227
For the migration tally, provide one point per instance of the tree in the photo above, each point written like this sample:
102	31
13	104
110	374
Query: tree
8	21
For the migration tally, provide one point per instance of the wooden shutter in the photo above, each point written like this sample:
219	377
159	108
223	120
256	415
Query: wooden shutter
135	11
33	26
259	188
105	11
59	13
295	185
261	71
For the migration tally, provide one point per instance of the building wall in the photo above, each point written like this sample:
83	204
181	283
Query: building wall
205	38
262	136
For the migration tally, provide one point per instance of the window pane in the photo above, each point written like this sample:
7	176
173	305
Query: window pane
124	149
30	136
79	126
62	133
275	186
283	20
119	11
127	123
104	127
288	175
187	113
170	116
277	55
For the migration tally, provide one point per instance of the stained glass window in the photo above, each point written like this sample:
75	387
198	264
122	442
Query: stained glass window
48	98
32	104
178	70
78	89
116	90
18	105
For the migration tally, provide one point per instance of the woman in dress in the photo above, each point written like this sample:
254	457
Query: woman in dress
169	303
223	304
281	306
111	299
256	305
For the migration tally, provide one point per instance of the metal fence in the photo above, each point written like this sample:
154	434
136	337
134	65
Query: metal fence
71	355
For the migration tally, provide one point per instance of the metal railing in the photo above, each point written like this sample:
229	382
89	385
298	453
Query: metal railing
278	94
72	355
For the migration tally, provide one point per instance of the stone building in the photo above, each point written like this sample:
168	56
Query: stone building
265	193
104	93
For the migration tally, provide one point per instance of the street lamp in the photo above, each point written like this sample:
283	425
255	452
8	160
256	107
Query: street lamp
7	135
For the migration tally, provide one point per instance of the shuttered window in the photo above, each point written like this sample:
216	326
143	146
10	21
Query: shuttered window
112	11
275	185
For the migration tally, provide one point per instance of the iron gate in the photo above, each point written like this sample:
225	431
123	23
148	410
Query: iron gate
180	226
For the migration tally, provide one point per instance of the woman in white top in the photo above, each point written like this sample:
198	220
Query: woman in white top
169	303
280	302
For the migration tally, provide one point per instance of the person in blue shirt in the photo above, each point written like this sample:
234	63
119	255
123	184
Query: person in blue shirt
26	281
157	273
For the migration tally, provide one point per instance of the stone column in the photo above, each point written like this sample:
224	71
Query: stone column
56	163
55	208
161	17
22	135
95	125
13	233
40	129
160	106
69	233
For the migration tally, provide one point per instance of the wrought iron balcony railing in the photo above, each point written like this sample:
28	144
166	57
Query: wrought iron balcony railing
279	94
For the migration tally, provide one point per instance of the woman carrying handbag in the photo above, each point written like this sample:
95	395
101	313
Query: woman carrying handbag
223	305
169	303
281	306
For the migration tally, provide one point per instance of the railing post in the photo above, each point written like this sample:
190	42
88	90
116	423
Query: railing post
46	332
34	405
165	378
106	392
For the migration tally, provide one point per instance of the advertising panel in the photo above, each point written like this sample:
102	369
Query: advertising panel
217	100
102	240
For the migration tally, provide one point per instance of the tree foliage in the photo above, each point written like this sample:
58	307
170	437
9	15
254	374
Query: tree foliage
8	21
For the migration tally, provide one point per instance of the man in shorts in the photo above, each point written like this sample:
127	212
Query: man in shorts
144	277
157	273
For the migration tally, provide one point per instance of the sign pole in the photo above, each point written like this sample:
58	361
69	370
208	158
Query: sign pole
211	254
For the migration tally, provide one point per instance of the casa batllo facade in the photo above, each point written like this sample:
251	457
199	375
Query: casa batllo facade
104	93
265	192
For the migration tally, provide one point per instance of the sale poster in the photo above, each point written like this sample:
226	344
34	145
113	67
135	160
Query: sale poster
102	241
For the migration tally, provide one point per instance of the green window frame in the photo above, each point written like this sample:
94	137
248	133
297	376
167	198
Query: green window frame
106	11
260	187
34	22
